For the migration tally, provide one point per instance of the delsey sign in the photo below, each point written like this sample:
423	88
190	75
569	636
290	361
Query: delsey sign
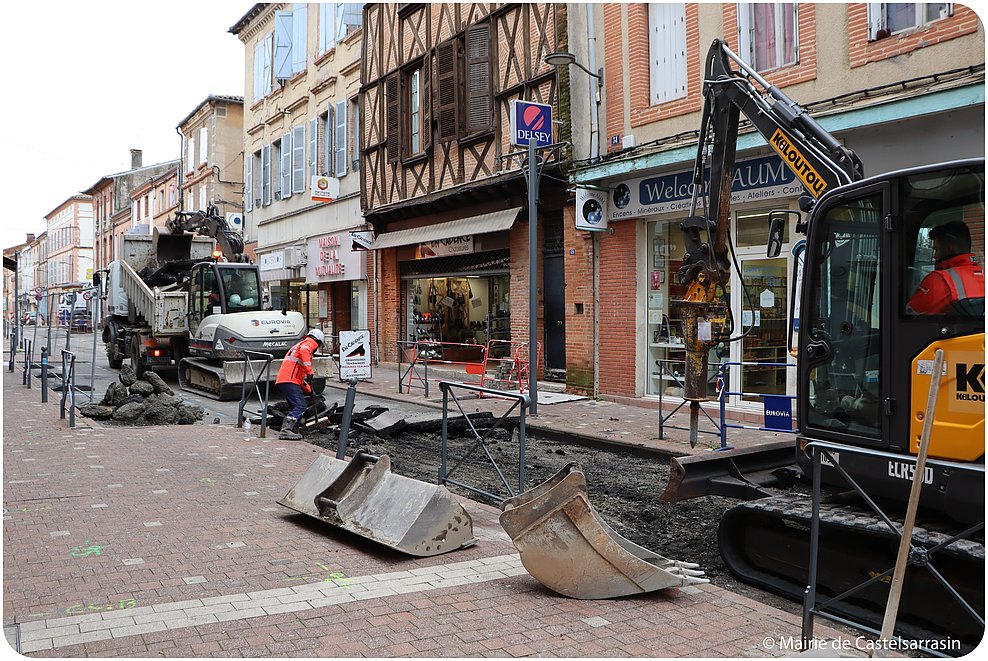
764	178
530	121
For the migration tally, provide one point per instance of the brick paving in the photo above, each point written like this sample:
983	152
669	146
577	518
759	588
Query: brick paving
167	541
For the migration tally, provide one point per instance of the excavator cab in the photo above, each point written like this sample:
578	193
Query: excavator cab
218	288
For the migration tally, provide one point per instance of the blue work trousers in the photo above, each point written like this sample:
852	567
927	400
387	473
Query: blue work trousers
293	393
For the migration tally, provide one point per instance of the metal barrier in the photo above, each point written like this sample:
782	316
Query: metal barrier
28	362
511	368
921	557
68	386
14	336
255	387
723	377
521	402
408	352
664	369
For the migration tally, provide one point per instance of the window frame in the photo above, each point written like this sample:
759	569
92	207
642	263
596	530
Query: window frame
878	18
413	94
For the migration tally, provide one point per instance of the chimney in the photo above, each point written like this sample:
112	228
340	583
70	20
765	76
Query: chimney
30	238
135	158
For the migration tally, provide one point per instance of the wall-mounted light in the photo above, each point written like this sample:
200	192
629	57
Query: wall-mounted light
564	58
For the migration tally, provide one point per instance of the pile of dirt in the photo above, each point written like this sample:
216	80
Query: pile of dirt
142	401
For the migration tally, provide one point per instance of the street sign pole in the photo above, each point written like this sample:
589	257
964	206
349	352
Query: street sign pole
533	240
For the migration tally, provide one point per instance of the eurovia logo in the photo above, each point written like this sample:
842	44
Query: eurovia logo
531	121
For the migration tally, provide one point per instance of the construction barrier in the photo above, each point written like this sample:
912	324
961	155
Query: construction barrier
263	373
778	416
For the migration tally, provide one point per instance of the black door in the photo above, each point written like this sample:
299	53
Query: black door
554	281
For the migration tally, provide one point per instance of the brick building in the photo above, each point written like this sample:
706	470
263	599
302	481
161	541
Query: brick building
901	85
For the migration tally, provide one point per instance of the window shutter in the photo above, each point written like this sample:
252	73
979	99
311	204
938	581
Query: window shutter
326	33
340	146
298	158
327	166
667	50
355	163
203	145
266	175
190	155
340	23
425	104
479	78
258	68
876	19
249	182
266	72
393	107
446	92
286	165
746	29
313	147
353	15
300	42
283	45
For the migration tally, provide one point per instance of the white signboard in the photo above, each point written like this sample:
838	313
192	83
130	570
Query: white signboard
331	258
272	260
591	210
355	355
361	240
458	245
324	189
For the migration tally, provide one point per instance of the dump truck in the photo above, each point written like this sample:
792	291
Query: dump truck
171	300
864	372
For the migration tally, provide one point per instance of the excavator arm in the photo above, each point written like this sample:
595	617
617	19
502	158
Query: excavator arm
731	88
210	223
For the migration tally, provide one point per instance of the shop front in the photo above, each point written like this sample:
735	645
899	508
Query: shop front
284	280
335	284
757	296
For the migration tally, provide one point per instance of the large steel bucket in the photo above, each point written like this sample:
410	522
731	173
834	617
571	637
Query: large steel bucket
569	549
364	497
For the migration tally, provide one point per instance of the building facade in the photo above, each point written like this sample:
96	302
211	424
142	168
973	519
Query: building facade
154	202
442	186
301	165
69	262
901	85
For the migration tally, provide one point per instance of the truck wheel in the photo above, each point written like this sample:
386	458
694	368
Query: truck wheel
135	356
113	358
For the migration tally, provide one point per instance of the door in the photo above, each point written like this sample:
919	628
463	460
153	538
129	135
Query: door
841	362
554	302
764	324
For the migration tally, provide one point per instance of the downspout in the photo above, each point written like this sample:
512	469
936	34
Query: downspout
181	168
594	153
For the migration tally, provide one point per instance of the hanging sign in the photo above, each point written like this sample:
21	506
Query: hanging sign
325	189
530	121
591	210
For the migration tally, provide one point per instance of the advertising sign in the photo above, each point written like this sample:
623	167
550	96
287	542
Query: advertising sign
361	240
272	260
458	245
778	412
355	355
324	189
329	258
530	121
591	210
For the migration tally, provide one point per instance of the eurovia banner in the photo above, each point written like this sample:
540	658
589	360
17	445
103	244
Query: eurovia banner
794	158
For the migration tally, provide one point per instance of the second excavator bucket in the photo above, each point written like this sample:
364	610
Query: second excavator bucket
364	497
569	549
167	247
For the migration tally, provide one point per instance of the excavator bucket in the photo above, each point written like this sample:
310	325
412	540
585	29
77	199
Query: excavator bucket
168	247
569	549
364	497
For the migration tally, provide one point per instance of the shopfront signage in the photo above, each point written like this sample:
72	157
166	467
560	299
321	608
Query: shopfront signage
757	179
272	260
361	240
324	189
530	121
458	245
331	258
591	210
778	412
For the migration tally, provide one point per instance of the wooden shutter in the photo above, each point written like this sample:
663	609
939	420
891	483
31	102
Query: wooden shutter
393	118
283	45
339	147
667	50
248	182
446	91
425	104
298	158
313	147
479	96
286	165
327	168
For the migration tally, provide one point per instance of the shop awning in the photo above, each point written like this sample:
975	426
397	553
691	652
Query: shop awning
482	224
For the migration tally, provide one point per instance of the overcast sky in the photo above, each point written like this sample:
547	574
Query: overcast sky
89	81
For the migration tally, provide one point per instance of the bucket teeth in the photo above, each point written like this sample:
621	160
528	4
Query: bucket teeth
569	549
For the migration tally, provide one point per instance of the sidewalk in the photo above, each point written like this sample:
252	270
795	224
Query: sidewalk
595	421
159	542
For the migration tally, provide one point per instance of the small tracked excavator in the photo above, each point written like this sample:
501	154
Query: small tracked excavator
863	372
171	300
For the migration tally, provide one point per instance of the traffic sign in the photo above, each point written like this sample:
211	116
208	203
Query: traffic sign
355	355
530	121
37	296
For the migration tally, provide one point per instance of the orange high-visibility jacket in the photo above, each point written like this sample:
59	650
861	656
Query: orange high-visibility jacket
298	362
955	279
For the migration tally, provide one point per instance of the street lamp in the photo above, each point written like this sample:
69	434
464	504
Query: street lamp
564	58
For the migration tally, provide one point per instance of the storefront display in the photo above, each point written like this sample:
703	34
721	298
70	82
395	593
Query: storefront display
470	309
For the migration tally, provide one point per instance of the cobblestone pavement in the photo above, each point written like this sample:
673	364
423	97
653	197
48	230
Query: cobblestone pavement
167	541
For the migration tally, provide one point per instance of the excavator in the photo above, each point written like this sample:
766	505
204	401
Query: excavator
170	298
864	372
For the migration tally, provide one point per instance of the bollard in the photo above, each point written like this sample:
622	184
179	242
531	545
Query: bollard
351	393
44	374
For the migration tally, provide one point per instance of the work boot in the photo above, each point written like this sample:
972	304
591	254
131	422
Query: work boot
288	432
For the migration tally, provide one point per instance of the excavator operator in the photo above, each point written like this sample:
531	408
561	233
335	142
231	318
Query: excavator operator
958	277
294	379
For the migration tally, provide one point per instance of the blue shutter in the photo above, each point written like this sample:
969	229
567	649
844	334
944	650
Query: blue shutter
339	148
283	45
300	41
298	158
266	70
266	175
248	182
286	165
327	34
353	15
258	93
340	24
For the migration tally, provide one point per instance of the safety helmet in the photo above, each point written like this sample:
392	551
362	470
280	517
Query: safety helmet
317	335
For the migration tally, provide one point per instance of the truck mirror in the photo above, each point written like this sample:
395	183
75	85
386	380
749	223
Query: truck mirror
776	229
96	279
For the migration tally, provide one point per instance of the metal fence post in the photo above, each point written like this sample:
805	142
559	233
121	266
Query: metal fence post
351	393
44	374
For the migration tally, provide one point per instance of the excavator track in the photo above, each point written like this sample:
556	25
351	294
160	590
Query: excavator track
203	378
766	543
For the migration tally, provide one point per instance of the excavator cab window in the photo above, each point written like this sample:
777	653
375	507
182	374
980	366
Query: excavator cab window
241	289
843	347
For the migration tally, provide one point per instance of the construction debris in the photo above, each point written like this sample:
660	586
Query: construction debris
142	401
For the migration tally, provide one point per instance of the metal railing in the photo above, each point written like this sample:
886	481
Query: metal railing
68	386
28	362
253	387
667	371
409	353
833	454
521	402
14	338
723	377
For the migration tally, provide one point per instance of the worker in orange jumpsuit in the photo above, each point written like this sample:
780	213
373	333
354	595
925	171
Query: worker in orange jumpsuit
294	379
958	276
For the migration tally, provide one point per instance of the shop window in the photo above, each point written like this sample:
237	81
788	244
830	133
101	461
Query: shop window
888	18
467	309
767	34
752	229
